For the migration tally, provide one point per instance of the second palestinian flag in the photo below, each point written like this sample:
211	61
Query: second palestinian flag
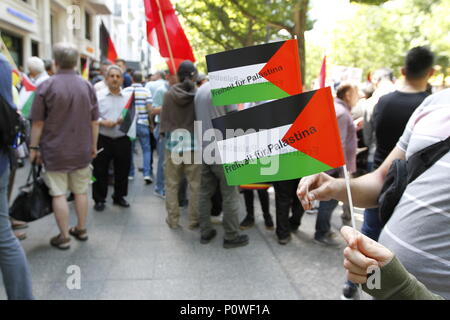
257	73
26	96
128	125
280	140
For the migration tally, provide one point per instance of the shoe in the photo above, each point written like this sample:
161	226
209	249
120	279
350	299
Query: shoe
239	241
247	223
171	226
159	195
79	234
17	225
20	235
99	206
284	241
350	292
268	222
194	225
121	202
60	242
148	180
208	237
327	241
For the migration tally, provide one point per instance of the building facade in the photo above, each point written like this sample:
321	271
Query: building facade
31	27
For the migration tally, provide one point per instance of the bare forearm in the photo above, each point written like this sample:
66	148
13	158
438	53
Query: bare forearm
36	133
95	130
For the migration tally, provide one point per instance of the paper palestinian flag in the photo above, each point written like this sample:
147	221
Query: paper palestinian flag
128	125
26	96
258	73
281	140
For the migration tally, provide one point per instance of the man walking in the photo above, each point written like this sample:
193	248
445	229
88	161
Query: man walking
64	132
212	175
13	263
177	123
143	102
116	145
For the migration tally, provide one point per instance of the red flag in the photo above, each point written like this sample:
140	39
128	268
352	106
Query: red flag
164	32
27	84
323	73
369	77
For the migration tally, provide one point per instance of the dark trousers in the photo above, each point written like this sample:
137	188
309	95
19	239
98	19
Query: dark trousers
216	200
119	151
263	199
323	219
285	199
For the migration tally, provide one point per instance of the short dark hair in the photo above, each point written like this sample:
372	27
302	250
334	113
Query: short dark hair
120	60
418	62
137	76
343	88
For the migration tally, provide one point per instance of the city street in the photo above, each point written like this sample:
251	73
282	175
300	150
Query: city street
132	254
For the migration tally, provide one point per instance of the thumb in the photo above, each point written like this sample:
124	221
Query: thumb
373	249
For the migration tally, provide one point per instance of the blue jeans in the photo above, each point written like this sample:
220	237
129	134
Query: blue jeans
13	263
371	225
160	149
143	135
323	219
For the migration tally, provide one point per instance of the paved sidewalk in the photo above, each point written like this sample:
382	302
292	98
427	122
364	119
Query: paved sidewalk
132	254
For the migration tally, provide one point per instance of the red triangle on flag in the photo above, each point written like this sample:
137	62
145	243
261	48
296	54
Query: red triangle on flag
316	131
283	69
28	85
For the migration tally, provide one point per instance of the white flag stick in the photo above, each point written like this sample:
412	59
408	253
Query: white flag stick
350	203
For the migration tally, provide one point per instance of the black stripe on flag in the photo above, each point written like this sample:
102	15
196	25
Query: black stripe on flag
265	116
242	57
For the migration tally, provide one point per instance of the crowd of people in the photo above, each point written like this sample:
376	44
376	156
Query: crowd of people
77	134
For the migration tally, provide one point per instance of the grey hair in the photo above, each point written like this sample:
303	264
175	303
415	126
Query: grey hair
114	67
66	55
36	65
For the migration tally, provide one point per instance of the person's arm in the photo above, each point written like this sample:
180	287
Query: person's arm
395	282
36	133
95	130
365	189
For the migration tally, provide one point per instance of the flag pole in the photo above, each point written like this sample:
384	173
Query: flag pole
350	203
161	17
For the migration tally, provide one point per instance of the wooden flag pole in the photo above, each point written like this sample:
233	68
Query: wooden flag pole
161	17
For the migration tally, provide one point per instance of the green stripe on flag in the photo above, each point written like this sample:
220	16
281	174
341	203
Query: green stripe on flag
275	168
26	108
249	93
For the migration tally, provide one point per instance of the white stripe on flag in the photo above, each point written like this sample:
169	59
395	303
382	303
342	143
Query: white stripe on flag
223	78
265	142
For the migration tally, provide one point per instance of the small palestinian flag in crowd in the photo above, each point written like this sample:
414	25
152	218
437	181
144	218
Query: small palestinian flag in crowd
258	73
26	96
85	73
128	125
281	140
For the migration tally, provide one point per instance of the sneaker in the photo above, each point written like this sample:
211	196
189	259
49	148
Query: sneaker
284	241
247	224
327	241
148	180
60	242
239	241
350	292
208	237
159	195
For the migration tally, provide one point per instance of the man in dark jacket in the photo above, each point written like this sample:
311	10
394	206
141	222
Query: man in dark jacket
177	125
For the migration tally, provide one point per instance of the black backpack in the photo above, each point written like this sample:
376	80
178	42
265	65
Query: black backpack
403	172
12	131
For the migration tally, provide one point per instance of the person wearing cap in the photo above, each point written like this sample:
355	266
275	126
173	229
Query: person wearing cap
177	125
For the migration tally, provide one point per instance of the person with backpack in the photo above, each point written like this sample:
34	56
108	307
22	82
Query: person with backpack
13	262
418	230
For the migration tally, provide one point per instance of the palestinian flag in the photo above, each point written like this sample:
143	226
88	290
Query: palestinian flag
280	140
85	72
128	125
107	49
26	96
264	72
